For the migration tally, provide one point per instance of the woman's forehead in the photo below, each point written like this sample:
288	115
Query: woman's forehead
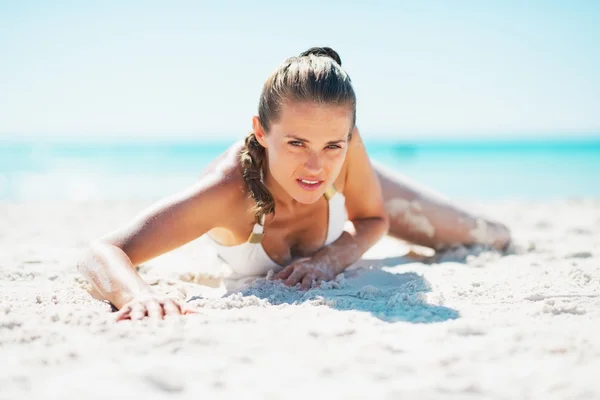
314	119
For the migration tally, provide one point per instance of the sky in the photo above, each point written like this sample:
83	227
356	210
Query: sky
195	69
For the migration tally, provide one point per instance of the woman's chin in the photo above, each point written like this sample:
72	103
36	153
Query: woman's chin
305	197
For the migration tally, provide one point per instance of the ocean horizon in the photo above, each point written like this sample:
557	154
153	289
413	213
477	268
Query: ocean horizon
470	169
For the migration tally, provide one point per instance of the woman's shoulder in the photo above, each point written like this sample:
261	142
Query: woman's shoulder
217	197
225	174
353	154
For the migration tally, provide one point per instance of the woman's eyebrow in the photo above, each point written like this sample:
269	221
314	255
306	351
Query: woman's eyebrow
299	139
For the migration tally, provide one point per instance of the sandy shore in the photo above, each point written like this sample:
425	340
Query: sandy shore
475	326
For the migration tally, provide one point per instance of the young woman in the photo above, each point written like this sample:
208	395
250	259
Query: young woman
280	199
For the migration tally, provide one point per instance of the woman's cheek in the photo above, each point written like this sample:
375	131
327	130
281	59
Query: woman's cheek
338	157
337	161
286	163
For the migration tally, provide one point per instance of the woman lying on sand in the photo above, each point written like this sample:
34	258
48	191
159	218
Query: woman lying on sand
280	199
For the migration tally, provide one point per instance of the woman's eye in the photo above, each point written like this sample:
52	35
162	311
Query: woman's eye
297	143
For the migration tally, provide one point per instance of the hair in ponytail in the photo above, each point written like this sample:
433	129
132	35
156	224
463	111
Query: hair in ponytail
252	159
315	76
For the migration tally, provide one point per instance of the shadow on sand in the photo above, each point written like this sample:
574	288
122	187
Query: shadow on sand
366	287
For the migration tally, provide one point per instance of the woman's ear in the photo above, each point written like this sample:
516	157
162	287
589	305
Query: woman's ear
259	132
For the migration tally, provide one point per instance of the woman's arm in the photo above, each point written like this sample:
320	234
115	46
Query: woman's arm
364	204
108	262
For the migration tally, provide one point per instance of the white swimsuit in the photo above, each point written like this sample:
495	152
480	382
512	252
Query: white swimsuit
250	258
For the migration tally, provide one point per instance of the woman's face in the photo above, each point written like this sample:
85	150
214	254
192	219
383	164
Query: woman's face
306	147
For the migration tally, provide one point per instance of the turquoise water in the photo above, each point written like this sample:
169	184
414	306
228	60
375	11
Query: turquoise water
471	170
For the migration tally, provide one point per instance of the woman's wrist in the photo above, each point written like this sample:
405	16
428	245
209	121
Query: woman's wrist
124	296
336	257
349	247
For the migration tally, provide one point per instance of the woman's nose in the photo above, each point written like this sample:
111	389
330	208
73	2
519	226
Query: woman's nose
313	163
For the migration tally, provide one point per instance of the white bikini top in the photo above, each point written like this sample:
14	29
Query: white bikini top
250	258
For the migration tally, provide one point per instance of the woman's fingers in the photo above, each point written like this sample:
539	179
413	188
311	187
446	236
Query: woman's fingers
123	313
188	310
284	273
307	282
154	309
171	308
295	277
138	311
301	274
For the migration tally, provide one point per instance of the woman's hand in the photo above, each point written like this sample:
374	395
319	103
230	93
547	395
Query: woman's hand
306	272
153	306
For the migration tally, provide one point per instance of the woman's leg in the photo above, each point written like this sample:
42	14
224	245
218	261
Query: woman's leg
424	217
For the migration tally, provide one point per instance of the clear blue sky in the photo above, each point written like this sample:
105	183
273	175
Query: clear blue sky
195	68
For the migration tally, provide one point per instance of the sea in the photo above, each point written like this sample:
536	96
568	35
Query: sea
473	170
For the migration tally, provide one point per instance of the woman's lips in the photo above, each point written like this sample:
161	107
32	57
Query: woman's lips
309	184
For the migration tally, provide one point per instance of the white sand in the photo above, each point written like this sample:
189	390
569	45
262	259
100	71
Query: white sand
522	326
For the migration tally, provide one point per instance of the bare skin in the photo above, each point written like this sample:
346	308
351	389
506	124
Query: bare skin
421	216
308	142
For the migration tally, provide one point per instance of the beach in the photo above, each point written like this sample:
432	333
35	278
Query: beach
108	109
467	324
